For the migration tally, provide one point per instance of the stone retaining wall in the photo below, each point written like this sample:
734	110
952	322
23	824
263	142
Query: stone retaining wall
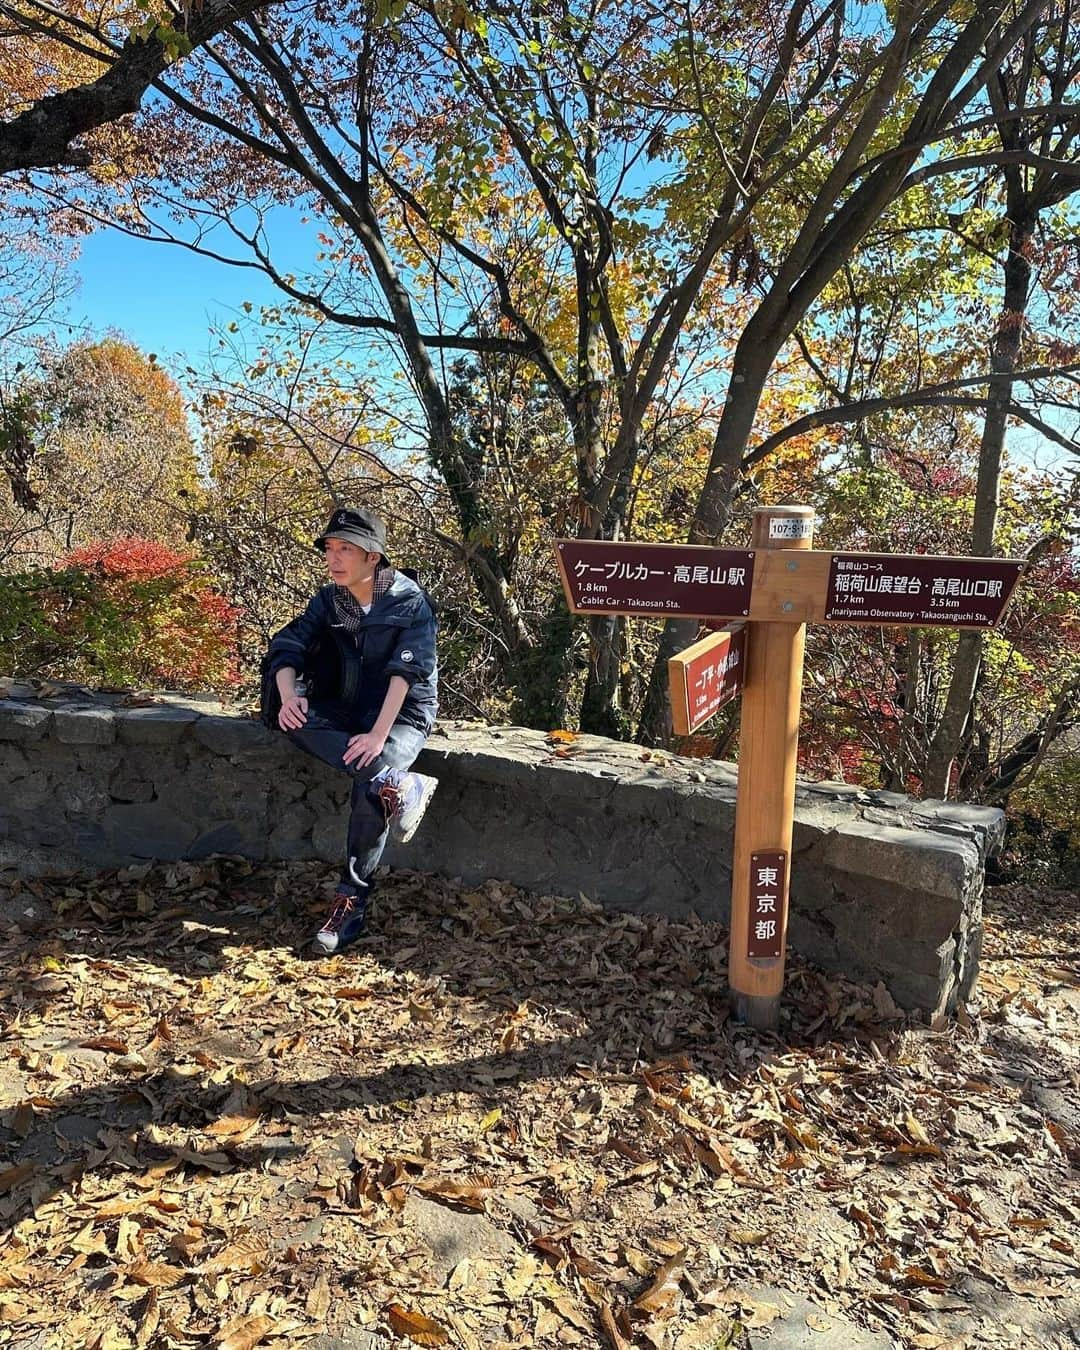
883	887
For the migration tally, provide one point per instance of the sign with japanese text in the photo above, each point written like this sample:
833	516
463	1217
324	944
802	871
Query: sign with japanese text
889	588
768	898
706	676
601	577
791	527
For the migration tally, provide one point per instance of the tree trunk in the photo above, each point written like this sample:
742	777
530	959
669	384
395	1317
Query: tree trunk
957	717
542	675
750	369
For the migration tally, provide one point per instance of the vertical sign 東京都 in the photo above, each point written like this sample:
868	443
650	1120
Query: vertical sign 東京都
768	904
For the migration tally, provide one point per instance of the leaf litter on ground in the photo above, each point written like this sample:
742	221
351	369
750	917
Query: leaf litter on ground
210	1138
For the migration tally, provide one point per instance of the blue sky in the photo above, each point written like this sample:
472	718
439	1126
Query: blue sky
164	298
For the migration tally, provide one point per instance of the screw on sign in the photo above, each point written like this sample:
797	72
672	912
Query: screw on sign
779	585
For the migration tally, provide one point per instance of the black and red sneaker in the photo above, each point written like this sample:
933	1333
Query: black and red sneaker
346	922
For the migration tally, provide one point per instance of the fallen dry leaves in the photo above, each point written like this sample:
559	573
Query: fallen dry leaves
509	1121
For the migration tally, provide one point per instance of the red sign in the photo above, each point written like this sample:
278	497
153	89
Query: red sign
890	588
706	676
768	901
601	577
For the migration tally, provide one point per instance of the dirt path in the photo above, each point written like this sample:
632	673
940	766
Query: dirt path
506	1120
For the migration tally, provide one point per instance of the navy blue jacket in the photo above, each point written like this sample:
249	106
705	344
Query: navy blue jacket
348	674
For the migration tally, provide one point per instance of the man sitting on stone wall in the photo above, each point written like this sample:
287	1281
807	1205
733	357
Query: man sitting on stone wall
356	676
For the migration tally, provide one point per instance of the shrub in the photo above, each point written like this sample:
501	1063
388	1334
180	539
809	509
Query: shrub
126	611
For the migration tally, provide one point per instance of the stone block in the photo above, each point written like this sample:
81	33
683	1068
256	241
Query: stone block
292	822
987	823
882	887
712	808
156	725
85	726
125	788
919	859
100	759
222	791
148	831
23	722
646	798
30	791
81	796
328	838
232	736
230	838
12	759
283	848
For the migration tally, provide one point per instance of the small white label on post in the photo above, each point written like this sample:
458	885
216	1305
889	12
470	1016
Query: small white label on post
791	527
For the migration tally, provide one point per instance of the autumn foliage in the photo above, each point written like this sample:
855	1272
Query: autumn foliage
126	611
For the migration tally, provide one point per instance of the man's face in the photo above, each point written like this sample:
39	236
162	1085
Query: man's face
349	565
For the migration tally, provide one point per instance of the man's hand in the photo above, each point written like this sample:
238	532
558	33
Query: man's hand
293	713
364	748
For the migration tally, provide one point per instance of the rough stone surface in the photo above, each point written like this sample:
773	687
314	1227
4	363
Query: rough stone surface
24	721
84	726
883	888
803	1325
451	1235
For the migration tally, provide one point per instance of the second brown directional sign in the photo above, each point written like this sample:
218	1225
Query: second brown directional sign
705	676
889	588
600	577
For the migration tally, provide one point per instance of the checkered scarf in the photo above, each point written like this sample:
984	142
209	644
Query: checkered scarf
349	613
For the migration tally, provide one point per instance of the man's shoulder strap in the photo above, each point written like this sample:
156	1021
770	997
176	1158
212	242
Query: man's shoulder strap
414	577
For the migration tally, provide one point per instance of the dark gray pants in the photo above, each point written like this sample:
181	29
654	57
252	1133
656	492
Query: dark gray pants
323	736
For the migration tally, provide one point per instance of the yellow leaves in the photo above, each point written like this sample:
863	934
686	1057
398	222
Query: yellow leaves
318	1301
419	1329
517	1282
235	1129
916	1131
468	1194
662	1294
155	1274
245	1333
89	1241
249	1255
490	1120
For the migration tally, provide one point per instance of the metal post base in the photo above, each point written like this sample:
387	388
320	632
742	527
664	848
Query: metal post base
756	1010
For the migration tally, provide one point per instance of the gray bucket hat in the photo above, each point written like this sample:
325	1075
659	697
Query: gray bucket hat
363	528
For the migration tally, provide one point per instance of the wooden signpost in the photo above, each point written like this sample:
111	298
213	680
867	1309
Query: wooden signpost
777	586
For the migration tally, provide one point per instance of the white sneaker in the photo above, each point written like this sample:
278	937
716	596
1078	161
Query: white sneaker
405	798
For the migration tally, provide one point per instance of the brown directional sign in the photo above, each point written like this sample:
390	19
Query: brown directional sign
768	898
705	676
888	588
600	577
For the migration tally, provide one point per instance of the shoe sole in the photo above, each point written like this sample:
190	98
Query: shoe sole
341	947
403	837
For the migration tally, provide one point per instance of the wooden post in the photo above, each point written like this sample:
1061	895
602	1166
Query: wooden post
765	807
